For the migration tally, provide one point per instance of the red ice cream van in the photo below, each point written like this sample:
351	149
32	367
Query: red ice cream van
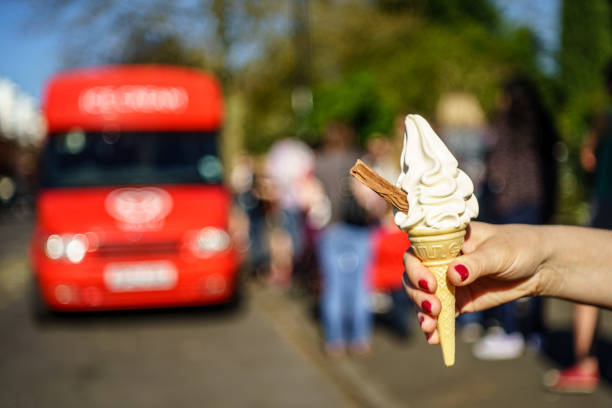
132	212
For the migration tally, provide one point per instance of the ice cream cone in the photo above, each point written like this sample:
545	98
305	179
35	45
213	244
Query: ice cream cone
433	201
437	249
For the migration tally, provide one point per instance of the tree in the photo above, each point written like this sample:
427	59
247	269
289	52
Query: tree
586	46
364	61
403	60
482	12
144	47
220	36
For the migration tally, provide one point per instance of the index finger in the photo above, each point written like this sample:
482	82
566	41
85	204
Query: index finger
419	276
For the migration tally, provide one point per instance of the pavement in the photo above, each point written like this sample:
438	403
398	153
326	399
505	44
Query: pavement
174	358
266	354
410	373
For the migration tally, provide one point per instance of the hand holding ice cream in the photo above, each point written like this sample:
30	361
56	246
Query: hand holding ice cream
499	263
440	205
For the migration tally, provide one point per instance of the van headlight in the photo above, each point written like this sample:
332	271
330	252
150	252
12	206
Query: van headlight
71	247
211	240
76	248
54	247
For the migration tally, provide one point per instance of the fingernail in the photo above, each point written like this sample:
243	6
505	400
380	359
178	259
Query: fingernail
462	271
428	335
424	285
426	306
421	318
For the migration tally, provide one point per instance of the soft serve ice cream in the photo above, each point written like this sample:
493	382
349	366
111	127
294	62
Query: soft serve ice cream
441	204
440	196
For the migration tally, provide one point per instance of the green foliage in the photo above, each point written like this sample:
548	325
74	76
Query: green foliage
143	47
586	47
357	100
365	61
456	12
451	12
267	89
373	65
368	60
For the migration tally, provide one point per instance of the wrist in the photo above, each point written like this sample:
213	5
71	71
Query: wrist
559	272
548	272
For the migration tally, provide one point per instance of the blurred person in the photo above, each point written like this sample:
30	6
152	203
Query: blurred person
388	242
583	376
461	125
289	165
23	198
316	215
344	245
596	157
244	183
522	180
380	153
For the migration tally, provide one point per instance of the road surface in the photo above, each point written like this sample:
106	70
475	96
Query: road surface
267	354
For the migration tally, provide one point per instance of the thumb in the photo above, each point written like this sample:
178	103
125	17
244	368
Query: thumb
487	259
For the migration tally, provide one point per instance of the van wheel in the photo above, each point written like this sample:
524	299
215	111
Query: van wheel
38	307
237	299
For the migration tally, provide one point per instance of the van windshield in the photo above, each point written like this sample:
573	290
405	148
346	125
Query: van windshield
78	158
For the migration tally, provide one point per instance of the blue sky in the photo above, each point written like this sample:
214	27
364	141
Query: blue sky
30	55
543	16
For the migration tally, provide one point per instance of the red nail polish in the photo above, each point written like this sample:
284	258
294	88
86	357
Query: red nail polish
462	271
421	318
426	306
424	285
428	335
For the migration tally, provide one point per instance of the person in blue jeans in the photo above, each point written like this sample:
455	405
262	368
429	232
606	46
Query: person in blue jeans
344	252
344	246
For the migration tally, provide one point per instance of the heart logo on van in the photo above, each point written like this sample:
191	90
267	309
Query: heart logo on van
139	207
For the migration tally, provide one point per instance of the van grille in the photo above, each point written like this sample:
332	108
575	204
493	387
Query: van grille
140	248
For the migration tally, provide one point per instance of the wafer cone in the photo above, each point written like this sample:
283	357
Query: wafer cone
437	249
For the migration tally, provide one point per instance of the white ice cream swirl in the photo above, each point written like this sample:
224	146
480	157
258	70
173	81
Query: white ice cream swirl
440	196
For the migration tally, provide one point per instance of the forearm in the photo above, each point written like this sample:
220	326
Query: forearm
576	264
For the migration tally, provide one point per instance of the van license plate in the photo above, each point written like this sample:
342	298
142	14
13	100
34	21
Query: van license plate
135	276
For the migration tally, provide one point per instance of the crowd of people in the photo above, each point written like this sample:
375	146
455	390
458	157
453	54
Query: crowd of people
313	226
